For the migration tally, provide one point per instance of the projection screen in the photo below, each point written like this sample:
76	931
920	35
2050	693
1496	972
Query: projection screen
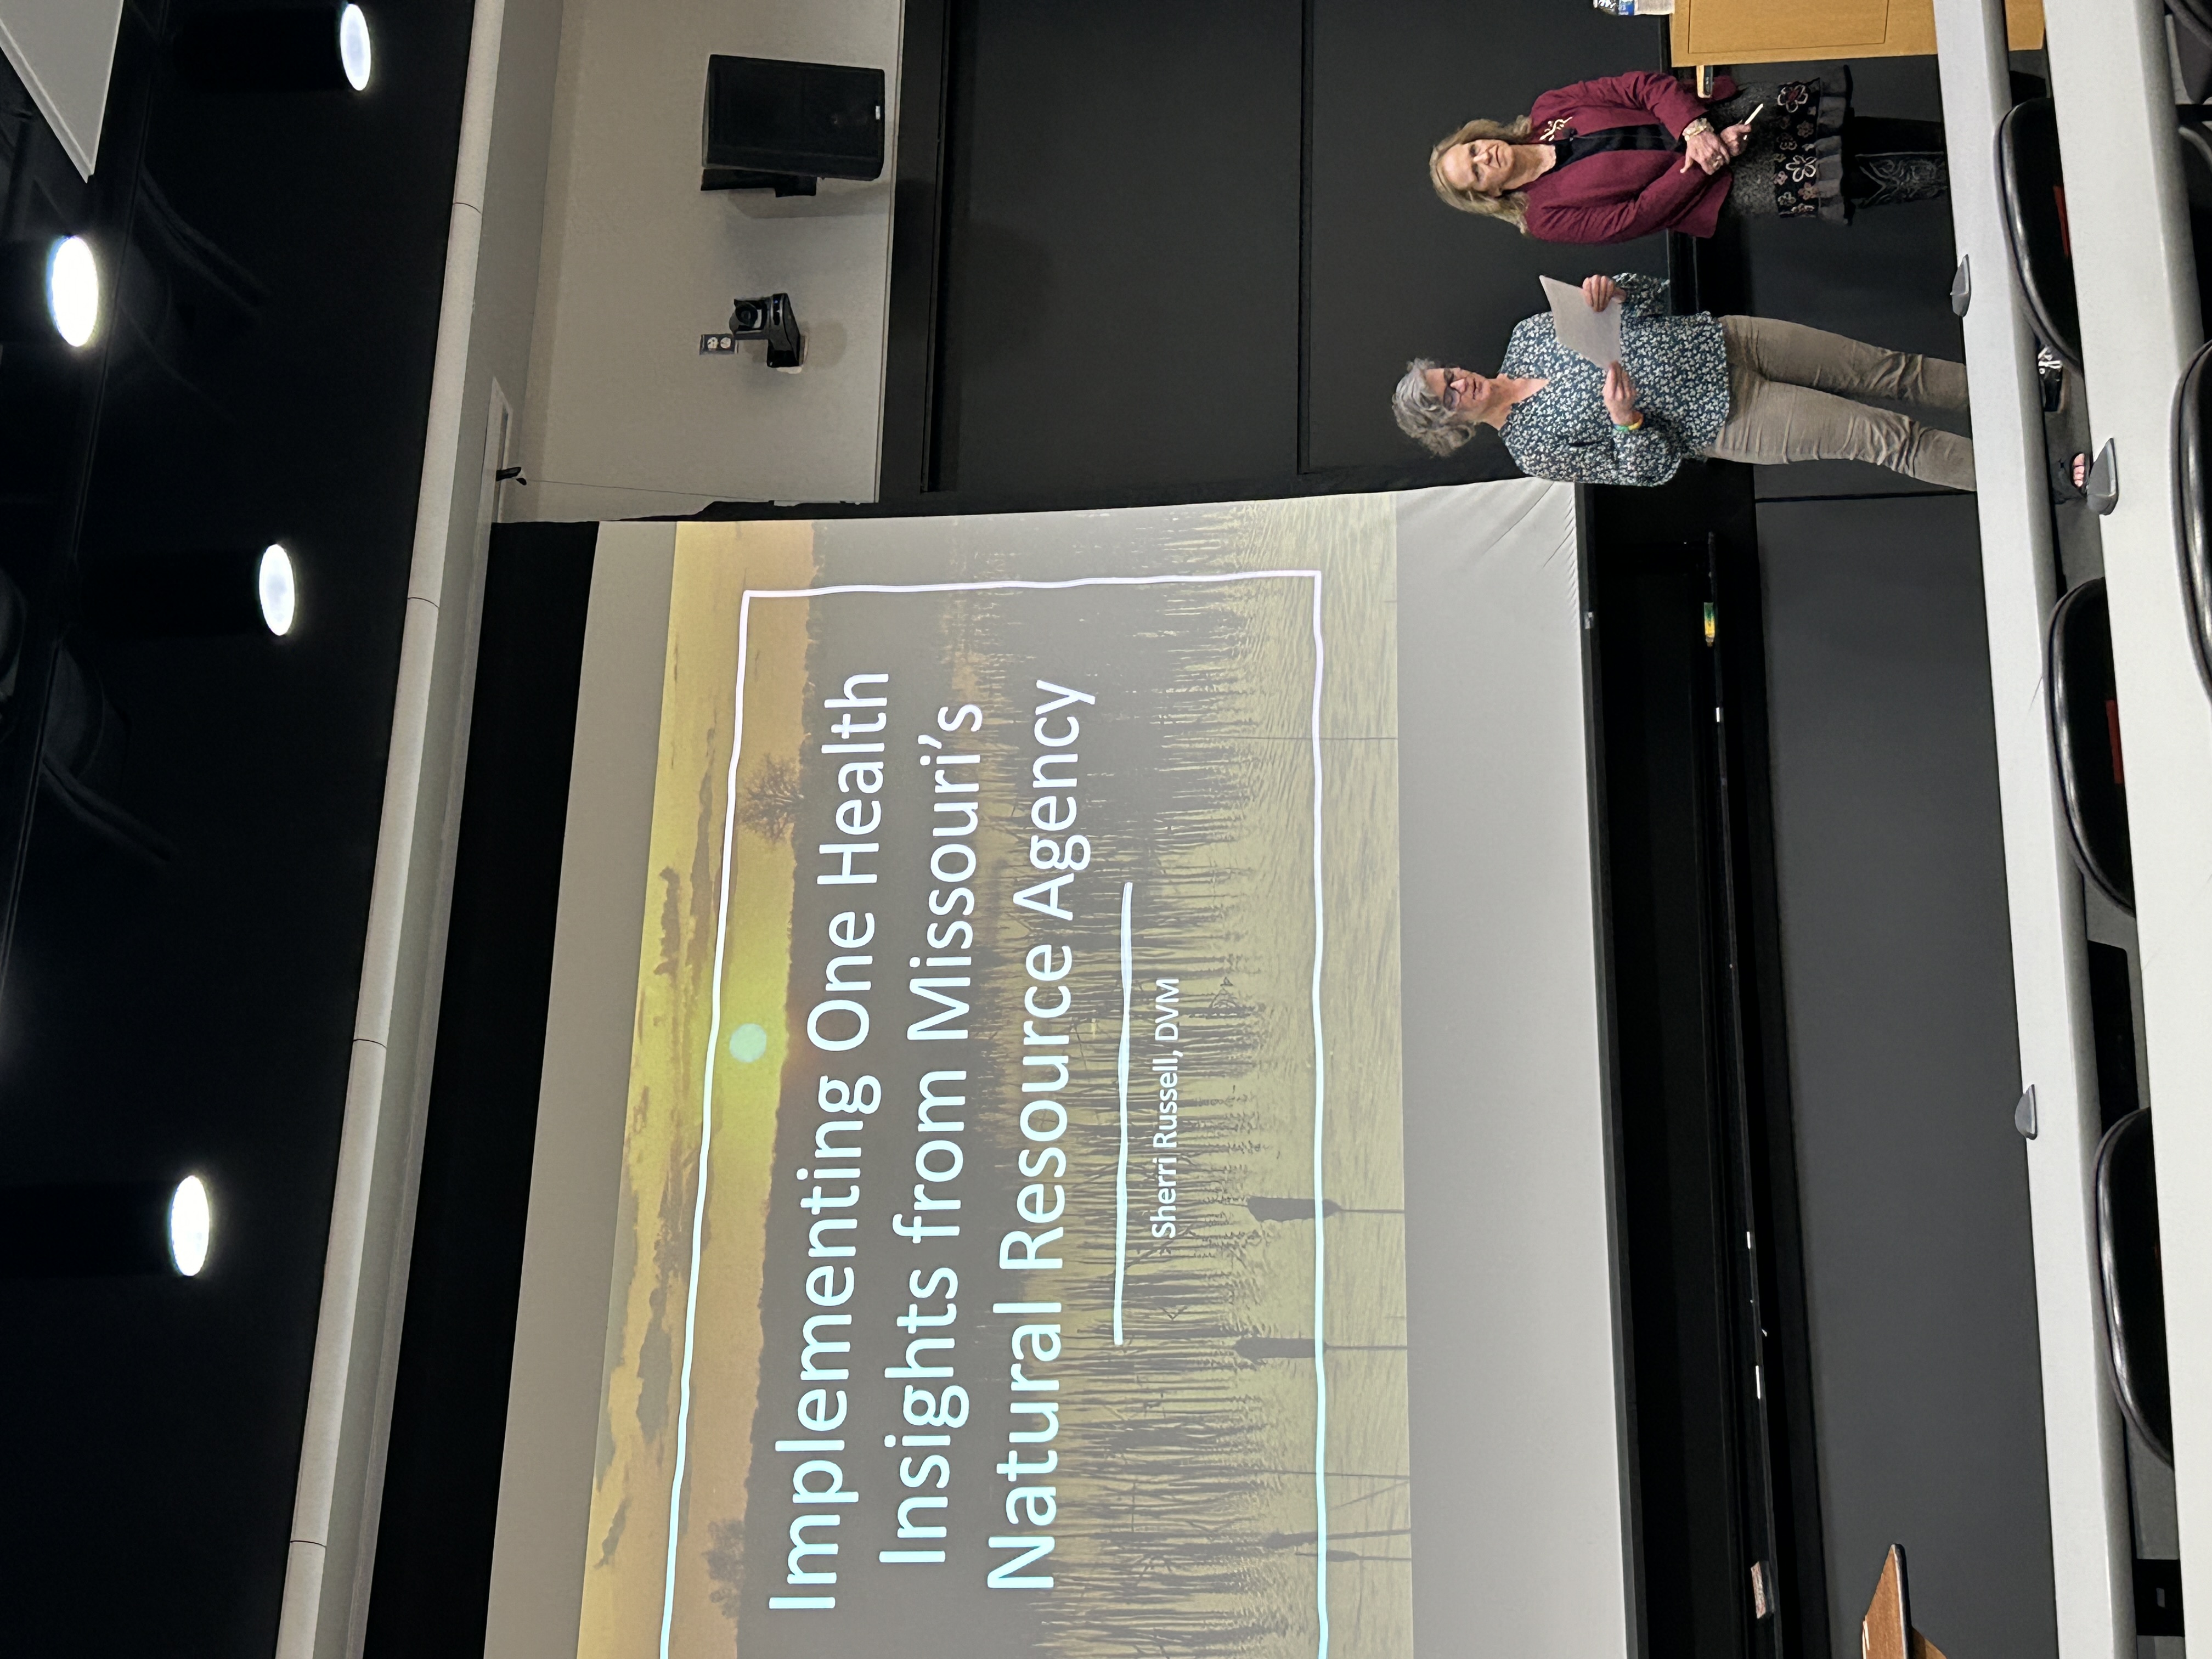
1074	1115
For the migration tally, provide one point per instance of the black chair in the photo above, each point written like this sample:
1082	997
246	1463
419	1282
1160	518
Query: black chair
2134	1283
2085	739
2035	224
2195	156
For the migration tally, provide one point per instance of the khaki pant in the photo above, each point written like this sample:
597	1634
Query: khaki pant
1791	398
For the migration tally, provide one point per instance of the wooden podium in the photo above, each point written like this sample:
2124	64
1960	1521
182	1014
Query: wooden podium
1886	1632
1795	31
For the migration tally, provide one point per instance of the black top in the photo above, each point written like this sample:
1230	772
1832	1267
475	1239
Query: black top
1647	137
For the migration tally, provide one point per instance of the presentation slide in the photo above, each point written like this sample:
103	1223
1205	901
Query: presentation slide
1018	998
1044	1224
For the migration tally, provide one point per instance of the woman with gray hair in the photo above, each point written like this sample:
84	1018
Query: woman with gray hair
1735	388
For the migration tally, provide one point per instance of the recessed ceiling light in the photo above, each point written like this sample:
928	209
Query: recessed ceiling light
190	1226
279	594
353	47
73	289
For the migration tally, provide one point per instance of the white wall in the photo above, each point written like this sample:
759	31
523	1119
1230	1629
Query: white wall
63	50
624	418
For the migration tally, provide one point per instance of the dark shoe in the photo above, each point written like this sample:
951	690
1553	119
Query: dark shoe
2050	380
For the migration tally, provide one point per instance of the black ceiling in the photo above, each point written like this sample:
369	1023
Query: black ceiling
266	374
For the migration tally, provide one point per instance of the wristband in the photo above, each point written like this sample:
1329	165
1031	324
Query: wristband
1636	425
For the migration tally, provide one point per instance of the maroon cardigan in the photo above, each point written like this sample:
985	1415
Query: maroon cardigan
1615	195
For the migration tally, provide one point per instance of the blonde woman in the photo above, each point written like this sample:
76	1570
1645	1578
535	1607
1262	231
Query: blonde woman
1609	159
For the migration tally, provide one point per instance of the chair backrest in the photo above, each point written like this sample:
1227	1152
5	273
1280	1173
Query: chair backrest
2192	43
2035	224
2085	739
2195	156
2192	473
2133	1284
2193	15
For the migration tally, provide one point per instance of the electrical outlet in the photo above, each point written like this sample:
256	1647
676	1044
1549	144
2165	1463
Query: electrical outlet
717	344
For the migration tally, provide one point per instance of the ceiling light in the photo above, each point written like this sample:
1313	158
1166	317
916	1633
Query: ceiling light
49	291
190	1224
352	53
73	289
278	594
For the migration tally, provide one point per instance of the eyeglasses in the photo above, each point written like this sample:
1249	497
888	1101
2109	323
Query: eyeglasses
1456	395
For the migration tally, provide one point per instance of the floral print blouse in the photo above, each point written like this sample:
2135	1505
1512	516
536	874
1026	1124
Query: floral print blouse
1679	364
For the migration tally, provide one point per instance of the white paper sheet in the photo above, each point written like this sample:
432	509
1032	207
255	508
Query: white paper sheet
1592	334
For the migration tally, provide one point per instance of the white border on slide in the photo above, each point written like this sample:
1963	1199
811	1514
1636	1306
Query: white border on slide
714	1030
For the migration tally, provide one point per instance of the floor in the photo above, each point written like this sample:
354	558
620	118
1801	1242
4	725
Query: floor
1896	969
1904	1068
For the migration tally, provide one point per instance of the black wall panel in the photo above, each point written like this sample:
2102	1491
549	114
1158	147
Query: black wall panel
1120	268
1897	965
449	1408
1153	247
